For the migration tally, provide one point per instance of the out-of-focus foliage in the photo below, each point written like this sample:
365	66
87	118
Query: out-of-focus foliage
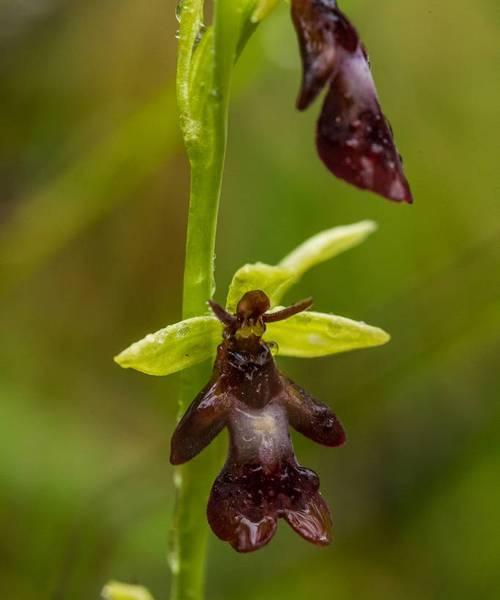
85	485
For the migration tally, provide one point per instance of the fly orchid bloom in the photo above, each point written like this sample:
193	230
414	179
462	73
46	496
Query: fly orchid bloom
261	480
354	139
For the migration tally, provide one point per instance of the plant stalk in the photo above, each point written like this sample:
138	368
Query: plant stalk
204	70
192	480
189	535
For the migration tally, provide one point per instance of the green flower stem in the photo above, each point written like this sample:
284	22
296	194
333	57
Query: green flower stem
199	284
203	107
189	532
189	535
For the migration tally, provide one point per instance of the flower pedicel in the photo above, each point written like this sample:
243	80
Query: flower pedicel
261	480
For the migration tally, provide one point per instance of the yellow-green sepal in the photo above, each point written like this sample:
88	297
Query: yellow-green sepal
173	348
322	247
276	280
313	334
259	276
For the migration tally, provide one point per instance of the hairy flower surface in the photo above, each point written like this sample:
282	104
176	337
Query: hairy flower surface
354	139
261	480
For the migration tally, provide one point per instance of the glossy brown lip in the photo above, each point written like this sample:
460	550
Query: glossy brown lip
353	138
261	480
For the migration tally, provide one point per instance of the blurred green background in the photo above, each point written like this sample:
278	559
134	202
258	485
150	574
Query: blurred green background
93	189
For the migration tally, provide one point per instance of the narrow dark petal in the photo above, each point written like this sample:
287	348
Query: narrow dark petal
313	522
203	421
289	311
223	316
354	139
310	417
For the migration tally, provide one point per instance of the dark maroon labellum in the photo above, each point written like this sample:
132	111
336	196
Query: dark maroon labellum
354	139
261	480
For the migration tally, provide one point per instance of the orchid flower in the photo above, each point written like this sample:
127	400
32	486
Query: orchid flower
354	139
261	480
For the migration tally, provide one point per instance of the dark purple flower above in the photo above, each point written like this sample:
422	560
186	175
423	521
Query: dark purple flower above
354	139
261	480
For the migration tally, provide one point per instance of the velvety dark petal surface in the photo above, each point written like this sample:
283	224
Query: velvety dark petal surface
313	522
238	509
354	139
246	501
320	28
204	419
313	419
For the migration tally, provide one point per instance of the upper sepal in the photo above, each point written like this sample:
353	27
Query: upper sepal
276	280
322	247
271	279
